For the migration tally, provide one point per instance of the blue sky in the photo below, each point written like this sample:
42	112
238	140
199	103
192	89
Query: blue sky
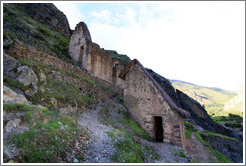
198	42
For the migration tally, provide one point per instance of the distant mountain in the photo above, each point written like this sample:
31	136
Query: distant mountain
213	99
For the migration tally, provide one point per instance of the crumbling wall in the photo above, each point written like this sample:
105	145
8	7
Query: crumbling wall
101	65
79	45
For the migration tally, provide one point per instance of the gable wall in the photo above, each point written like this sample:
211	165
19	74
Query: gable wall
145	101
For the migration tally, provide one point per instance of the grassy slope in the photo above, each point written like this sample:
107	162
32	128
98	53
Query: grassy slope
20	26
212	98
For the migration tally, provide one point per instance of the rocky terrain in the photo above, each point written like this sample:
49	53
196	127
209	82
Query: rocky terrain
56	112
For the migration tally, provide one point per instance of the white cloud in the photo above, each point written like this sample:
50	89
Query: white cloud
198	42
202	43
72	12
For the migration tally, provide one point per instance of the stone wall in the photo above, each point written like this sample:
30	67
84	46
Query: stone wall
80	44
142	94
145	102
101	65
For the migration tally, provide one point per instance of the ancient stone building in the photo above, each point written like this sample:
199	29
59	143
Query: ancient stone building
148	103
79	45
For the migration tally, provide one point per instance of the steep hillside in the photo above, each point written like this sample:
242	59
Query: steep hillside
213	99
41	26
56	112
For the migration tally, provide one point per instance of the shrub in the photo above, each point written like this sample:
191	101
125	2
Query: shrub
187	134
189	126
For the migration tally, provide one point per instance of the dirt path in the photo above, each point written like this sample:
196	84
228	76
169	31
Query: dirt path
101	147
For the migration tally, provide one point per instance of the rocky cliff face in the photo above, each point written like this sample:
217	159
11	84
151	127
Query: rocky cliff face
229	147
48	14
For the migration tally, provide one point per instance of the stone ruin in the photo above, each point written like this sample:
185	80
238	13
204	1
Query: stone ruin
148	103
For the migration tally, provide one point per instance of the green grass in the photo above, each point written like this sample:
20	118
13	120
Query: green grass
122	58
135	127
182	154
19	25
233	121
189	126
14	84
64	93
217	135
129	151
51	135
16	107
188	134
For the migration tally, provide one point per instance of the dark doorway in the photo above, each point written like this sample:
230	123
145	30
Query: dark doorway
158	129
81	55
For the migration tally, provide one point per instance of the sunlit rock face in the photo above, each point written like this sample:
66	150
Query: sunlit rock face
79	45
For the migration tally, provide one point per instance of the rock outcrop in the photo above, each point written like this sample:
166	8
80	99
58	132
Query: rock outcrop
26	76
9	96
48	14
79	45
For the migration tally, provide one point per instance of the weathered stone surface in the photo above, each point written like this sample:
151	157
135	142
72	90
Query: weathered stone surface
9	96
79	45
12	124
8	66
26	75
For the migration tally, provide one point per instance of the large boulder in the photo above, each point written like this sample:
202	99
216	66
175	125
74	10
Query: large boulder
9	65
79	45
9	96
26	75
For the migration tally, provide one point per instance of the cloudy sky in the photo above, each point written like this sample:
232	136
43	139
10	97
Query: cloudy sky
198	42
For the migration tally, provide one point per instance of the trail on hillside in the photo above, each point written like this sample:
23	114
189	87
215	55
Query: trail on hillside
101	146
